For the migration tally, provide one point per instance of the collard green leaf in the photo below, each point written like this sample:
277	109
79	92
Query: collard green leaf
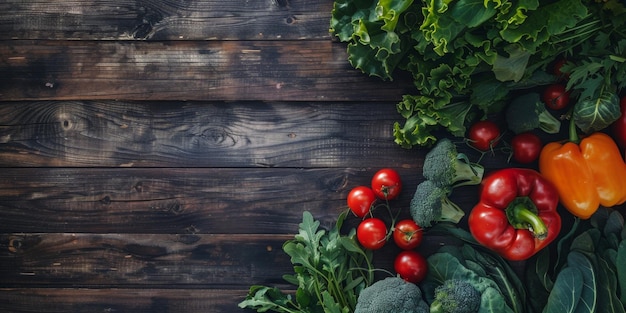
621	271
587	241
566	292
608	300
614	225
537	280
587	302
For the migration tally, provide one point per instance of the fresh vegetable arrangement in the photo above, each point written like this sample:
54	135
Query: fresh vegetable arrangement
469	59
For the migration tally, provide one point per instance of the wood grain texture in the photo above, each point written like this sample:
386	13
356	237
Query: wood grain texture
165	20
187	70
200	134
172	261
180	201
144	300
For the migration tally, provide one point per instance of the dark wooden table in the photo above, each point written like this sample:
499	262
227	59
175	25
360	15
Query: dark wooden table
155	155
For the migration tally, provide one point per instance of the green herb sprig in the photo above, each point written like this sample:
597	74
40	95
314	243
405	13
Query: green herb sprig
330	269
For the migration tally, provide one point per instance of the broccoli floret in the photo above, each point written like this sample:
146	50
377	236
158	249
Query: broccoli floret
431	204
391	295
455	296
445	166
527	112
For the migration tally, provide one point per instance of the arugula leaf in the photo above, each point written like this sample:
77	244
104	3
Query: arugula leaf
329	270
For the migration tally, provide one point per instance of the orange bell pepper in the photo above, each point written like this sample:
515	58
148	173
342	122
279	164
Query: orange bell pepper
586	175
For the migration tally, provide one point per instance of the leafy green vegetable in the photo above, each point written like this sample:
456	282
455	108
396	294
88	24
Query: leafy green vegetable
586	272
596	113
444	266
330	270
466	57
567	290
471	262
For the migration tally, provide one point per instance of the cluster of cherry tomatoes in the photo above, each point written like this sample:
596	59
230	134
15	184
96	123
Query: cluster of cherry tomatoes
524	147
373	233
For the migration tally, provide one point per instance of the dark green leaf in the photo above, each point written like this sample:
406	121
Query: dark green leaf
614	224
608	300
472	12
596	113
588	296
566	293
621	271
587	241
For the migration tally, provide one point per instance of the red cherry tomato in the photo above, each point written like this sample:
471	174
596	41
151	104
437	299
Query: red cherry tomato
556	97
526	147
360	200
407	234
411	266
484	135
372	233
618	127
557	69
386	184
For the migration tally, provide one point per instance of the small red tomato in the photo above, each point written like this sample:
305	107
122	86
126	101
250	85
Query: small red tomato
386	184
618	127
360	200
407	234
557	69
526	147
411	266
484	135
556	97
372	233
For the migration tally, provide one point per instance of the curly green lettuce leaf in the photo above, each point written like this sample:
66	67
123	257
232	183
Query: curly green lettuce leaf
545	21
374	31
422	119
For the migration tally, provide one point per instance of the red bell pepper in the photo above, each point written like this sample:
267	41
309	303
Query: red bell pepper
516	215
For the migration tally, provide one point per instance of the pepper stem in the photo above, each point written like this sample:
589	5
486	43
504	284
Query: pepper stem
522	214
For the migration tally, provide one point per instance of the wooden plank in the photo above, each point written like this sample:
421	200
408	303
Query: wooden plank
165	20
182	201
201	134
187	70
202	261
170	261
145	300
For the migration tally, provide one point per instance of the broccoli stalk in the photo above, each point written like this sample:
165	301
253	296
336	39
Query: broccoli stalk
445	166
455	296
527	112
431	204
392	295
